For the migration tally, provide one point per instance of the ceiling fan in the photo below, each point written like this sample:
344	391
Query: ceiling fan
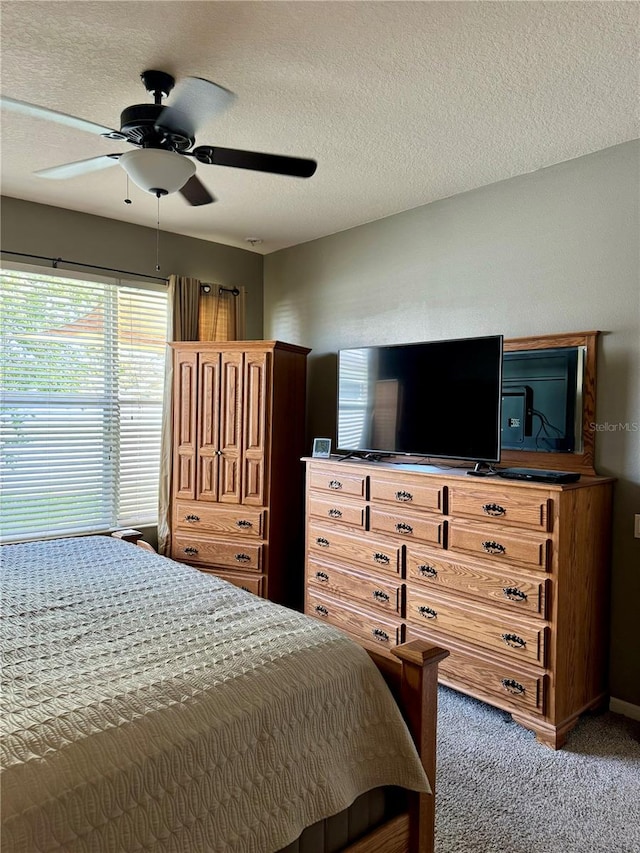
164	135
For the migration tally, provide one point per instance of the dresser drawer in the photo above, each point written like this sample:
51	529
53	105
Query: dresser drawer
507	588
375	592
192	516
249	582
492	630
412	494
500	545
212	552
375	630
519	506
368	552
341	484
410	526
337	511
497	681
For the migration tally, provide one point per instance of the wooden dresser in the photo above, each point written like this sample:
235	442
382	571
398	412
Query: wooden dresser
511	577
238	433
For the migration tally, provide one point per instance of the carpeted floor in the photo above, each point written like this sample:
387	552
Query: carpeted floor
500	791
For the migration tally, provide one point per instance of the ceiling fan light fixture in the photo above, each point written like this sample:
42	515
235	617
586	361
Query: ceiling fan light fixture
157	171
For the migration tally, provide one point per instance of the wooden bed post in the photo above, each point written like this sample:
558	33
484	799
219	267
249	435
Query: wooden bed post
419	694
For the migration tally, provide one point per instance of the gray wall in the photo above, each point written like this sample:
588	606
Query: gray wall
553	251
59	233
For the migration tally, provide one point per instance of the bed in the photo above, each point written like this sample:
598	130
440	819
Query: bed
148	706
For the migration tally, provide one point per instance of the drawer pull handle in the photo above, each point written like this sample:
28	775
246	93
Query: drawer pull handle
322	611
493	509
191	518
428	571
190	550
493	547
404	497
380	635
243	523
335	484
401	527
379	595
322	542
334	513
323	577
513	686
381	558
514	594
243	558
514	641
427	612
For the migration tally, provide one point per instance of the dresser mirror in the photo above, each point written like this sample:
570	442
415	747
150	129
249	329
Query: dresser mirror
549	394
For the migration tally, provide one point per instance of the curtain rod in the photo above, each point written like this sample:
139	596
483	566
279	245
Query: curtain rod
206	288
56	261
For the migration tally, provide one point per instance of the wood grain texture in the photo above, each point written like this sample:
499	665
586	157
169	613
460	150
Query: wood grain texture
500	545
238	415
376	591
414	494
392	837
515	591
525	619
338	511
524	509
374	551
410	526
184	425
197	516
419	692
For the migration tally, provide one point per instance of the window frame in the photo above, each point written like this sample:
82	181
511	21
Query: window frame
110	491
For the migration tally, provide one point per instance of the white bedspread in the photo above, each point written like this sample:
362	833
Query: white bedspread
147	706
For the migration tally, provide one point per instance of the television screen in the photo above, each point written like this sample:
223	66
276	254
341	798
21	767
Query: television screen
437	398
540	389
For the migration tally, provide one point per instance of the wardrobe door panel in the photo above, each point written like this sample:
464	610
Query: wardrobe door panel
231	383
256	419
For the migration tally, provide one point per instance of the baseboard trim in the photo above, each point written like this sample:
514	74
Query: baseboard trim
627	709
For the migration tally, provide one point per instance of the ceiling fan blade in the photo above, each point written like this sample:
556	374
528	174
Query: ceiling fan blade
79	167
34	111
194	102
297	167
195	192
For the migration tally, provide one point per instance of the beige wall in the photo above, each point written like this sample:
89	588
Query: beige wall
55	232
553	251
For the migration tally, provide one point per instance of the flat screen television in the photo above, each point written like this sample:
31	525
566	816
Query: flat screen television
432	399
541	390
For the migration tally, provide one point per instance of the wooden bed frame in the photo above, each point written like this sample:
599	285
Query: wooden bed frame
413	680
414	683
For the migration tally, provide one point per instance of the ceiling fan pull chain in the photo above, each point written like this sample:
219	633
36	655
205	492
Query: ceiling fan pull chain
127	199
158	234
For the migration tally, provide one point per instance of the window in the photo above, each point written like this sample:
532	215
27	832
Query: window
82	375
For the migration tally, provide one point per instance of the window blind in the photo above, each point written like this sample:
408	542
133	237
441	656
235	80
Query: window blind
81	383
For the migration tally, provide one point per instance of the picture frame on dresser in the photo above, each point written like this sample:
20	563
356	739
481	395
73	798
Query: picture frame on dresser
321	448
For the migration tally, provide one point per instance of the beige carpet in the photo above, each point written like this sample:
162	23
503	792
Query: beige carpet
499	791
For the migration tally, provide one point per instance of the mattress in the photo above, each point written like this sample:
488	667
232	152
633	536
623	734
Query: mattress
148	706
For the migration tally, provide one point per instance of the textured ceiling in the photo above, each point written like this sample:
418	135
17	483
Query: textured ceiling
401	103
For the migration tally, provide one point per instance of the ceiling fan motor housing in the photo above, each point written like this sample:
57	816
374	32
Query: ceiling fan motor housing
138	124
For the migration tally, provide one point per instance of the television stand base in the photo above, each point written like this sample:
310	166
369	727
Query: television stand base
482	469
367	456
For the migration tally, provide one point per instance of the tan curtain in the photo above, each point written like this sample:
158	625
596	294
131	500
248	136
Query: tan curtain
221	313
182	325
